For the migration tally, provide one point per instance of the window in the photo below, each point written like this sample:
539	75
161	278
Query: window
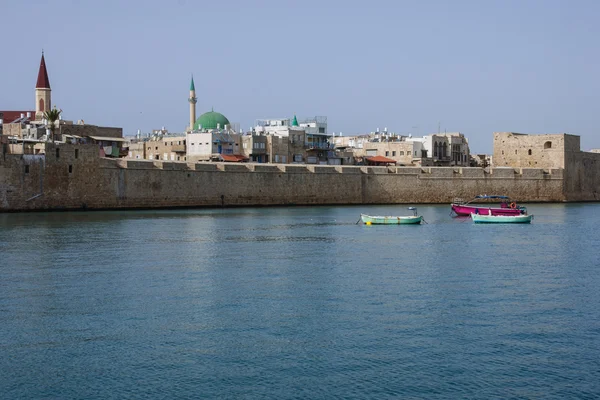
27	169
529	151
321	130
515	151
548	145
415	152
156	148
402	152
70	169
393	154
76	153
387	153
57	153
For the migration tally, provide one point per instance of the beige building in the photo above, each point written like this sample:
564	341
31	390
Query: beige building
254	147
533	151
166	148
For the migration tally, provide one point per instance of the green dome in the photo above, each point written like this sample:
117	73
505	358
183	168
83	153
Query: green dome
210	120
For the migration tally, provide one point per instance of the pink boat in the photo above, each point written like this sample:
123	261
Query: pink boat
480	205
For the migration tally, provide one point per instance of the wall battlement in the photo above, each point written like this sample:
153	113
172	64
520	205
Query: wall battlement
75	177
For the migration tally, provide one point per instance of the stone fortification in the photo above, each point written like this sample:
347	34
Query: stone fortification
581	169
74	177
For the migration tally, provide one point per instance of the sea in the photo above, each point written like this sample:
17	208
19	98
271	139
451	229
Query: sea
299	303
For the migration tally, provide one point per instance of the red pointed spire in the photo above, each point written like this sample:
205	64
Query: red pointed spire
43	82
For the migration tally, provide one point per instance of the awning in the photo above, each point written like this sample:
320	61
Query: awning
233	157
109	139
380	159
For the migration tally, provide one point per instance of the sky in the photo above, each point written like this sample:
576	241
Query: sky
411	66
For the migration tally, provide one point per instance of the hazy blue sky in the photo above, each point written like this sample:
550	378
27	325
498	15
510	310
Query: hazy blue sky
474	66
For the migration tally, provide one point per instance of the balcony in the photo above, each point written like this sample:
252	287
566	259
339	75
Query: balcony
320	146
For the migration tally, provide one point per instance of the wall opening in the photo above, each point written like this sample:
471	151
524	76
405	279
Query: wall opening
57	153
27	169
529	151
548	145
76	153
70	169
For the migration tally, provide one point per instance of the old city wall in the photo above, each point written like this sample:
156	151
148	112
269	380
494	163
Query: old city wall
76	178
582	176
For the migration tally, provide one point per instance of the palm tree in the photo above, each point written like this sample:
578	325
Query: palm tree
52	116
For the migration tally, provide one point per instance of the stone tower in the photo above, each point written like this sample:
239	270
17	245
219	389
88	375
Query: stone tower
42	91
192	100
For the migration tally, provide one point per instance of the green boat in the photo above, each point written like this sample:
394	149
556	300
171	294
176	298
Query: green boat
392	220
501	219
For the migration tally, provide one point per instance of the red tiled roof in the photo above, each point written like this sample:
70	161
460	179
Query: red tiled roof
233	157
43	82
10	116
381	159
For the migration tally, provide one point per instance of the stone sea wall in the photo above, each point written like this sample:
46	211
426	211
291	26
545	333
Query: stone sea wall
74	177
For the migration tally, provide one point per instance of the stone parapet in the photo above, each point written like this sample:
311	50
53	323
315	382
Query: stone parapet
74	177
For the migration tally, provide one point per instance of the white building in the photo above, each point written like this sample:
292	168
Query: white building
210	144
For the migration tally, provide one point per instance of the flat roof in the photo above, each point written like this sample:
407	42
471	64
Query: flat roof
109	139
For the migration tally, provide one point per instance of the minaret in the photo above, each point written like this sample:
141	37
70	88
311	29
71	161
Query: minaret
192	100
42	91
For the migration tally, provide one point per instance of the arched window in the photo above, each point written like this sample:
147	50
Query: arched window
435	149
445	149
548	145
42	109
529	151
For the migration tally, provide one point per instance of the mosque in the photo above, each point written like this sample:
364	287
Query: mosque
207	121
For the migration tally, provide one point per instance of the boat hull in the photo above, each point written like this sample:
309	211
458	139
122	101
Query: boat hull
461	209
390	220
501	219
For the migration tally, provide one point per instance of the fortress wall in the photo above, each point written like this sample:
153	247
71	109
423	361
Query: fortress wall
478	173
106	183
503	172
582	176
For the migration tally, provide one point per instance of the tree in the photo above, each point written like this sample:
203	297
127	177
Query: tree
52	116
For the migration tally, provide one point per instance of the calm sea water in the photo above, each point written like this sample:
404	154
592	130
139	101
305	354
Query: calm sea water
299	303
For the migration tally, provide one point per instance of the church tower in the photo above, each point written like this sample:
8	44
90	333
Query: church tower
192	100
42	91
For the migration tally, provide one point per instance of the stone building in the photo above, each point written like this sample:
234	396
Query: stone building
533	151
254	147
445	149
166	148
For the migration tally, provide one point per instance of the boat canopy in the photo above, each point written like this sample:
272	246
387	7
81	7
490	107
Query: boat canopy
485	196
